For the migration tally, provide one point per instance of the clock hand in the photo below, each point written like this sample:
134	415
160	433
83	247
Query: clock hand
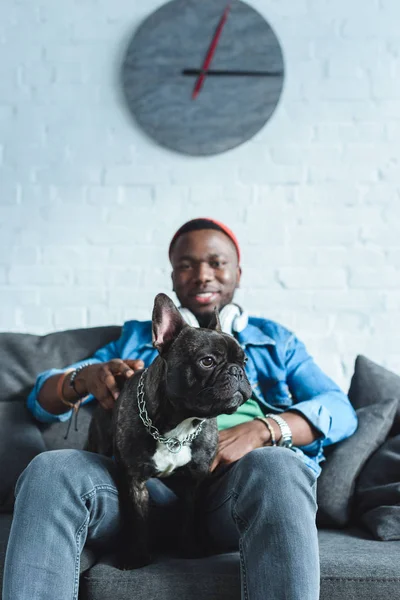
233	73
210	53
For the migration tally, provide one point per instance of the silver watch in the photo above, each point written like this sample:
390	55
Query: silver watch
286	432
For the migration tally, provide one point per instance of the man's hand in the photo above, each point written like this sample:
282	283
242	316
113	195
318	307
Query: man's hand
101	379
237	441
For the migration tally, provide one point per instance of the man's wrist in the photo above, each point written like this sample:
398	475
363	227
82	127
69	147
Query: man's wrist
78	381
285	437
78	389
270	433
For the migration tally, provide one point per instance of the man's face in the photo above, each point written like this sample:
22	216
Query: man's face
205	272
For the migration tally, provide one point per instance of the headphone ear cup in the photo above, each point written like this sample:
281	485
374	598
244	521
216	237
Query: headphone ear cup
241	321
228	316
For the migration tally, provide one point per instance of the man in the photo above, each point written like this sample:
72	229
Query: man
262	502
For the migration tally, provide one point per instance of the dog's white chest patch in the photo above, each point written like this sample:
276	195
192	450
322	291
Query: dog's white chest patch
165	461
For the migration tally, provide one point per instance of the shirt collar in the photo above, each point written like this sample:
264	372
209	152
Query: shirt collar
253	336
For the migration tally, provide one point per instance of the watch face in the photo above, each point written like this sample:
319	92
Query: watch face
203	76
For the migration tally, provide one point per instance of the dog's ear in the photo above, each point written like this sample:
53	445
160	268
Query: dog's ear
167	322
215	323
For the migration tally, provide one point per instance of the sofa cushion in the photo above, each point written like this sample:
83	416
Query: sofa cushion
377	501
5	526
23	356
352	566
336	484
216	578
55	434
20	441
372	383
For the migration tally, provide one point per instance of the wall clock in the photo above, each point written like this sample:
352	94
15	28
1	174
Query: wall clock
203	76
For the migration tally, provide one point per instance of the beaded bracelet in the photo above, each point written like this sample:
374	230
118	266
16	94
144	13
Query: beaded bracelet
73	377
60	386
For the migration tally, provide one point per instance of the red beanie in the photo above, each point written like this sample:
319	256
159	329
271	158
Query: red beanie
204	223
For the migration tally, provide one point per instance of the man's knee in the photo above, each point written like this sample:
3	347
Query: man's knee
273	482
274	471
48	471
269	462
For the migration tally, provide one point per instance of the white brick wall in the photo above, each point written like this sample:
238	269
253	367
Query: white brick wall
88	204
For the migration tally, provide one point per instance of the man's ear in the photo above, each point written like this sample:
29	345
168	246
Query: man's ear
167	322
215	323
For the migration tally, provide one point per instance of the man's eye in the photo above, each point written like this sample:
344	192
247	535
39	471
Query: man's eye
217	264
207	362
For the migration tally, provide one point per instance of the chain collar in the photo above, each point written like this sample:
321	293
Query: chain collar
173	444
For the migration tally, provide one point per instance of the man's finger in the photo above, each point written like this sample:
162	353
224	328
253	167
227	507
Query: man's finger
131	367
114	365
118	367
106	402
215	463
103	396
135	364
109	381
126	368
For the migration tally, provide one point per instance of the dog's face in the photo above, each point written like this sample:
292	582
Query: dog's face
205	374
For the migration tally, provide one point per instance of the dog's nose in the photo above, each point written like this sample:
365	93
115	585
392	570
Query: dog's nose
236	372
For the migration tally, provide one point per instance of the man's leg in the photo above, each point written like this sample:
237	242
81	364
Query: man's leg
64	499
264	504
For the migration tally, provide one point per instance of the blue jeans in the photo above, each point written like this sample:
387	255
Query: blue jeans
264	505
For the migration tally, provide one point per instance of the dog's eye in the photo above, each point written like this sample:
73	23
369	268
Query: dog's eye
245	359
207	362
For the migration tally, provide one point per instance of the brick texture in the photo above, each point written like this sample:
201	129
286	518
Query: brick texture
88	204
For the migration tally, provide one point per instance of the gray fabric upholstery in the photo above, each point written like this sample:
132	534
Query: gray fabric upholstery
5	524
20	441
336	484
372	383
23	356
214	578
352	567
54	433
378	492
355	567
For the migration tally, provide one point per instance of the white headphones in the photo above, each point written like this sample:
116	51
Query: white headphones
232	318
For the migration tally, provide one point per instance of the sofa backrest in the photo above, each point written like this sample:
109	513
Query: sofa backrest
24	356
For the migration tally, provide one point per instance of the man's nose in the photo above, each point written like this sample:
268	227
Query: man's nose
204	272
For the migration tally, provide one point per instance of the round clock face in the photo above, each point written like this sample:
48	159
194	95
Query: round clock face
203	76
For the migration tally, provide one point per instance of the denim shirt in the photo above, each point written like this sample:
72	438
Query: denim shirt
282	374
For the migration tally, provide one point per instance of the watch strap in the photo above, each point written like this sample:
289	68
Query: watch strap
286	433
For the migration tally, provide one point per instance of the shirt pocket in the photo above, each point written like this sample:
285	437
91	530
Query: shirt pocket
278	394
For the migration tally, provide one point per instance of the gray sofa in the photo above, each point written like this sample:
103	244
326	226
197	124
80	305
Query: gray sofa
354	565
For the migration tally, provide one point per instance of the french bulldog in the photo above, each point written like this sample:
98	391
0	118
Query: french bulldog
164	420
